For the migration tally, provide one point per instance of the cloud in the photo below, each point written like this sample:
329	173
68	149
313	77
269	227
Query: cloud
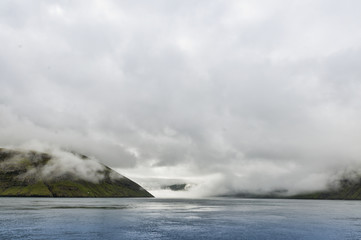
252	92
58	164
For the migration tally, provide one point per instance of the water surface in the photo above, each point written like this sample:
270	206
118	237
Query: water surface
217	218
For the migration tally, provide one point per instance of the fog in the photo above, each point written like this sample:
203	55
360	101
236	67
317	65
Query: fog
59	165
226	96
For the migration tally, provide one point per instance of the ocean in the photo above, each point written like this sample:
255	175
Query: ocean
213	218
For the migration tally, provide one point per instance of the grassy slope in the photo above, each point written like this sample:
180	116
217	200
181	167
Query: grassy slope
348	190
11	185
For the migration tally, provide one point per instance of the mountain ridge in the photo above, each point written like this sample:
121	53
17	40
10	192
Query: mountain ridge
36	174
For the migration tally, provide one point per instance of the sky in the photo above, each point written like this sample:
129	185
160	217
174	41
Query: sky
228	96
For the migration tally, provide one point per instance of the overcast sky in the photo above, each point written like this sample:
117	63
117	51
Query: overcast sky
231	95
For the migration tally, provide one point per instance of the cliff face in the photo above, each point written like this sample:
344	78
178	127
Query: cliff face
34	174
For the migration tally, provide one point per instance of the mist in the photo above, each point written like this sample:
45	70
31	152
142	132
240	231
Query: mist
52	164
226	96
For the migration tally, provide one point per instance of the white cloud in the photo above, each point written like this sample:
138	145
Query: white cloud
233	89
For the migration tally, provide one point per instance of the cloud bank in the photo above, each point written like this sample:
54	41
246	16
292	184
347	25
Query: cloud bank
233	96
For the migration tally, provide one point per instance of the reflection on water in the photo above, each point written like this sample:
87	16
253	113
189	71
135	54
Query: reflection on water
83	218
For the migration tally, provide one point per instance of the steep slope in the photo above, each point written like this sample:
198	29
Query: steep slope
34	174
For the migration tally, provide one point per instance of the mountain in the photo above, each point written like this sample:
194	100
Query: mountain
345	189
176	187
35	174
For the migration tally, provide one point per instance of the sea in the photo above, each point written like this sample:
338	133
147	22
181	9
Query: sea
153	218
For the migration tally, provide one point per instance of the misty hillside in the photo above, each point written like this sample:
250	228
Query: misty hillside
346	189
34	174
343	189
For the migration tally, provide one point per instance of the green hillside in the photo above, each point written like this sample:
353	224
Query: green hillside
19	178
346	190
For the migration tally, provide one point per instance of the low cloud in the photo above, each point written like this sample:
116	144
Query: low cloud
52	164
63	163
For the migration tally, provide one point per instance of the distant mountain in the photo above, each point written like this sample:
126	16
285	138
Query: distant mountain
344	189
176	187
34	174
